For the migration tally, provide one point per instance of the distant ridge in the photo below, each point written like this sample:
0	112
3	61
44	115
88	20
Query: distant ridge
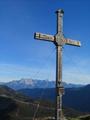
76	98
31	83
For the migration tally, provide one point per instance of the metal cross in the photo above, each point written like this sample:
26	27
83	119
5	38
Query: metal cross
59	41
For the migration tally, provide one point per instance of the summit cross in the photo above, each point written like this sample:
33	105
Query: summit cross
59	41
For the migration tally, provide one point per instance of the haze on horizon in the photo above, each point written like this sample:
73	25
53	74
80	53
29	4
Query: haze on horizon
21	56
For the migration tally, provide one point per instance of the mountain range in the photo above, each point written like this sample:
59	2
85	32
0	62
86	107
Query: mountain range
30	83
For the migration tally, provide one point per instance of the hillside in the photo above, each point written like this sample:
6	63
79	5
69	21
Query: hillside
84	117
15	108
8	92
78	99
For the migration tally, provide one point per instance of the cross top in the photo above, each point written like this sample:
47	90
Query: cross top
60	13
58	39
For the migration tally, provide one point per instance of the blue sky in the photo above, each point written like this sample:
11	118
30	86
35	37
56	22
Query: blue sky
23	57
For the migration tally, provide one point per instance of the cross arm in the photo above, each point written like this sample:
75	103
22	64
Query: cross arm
45	37
72	42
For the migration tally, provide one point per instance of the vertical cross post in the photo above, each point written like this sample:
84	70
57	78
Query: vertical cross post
59	86
59	41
